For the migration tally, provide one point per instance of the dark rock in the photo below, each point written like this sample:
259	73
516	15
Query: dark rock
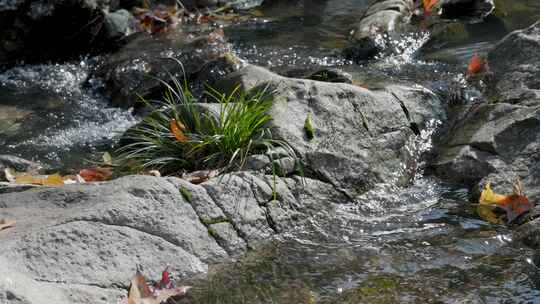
500	141
467	10
52	30
134	70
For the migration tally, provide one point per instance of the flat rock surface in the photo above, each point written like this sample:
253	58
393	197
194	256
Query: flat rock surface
83	243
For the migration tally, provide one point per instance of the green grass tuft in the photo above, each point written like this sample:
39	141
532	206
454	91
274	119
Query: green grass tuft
214	140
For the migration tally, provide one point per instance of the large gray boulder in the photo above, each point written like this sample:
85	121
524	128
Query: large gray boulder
500	141
83	243
360	135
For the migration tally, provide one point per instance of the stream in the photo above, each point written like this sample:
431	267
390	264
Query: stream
419	244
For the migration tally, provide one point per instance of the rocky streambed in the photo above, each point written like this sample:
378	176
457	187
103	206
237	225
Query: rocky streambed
382	213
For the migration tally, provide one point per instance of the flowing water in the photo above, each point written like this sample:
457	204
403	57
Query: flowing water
420	244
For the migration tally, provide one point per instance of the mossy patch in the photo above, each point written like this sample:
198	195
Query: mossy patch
186	194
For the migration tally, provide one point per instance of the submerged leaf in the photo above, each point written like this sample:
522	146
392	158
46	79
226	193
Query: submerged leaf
476	65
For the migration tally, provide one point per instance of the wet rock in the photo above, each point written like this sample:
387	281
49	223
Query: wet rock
360	135
382	19
132	70
324	74
51	30
118	24
500	141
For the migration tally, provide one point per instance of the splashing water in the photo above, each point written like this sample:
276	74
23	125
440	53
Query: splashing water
67	121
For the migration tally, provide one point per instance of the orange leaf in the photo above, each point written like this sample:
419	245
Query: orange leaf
4	224
45	180
428	5
177	129
95	175
513	205
476	65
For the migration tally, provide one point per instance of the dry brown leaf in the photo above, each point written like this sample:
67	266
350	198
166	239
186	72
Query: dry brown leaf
197	177
4	224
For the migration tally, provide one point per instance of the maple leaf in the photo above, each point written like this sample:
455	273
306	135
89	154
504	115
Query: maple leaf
4	224
95	174
140	292
513	205
177	129
476	65
428	5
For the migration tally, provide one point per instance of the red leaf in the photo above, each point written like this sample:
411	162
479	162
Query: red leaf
165	279
476	65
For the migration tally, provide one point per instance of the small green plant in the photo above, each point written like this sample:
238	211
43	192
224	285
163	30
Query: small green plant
182	135
308	128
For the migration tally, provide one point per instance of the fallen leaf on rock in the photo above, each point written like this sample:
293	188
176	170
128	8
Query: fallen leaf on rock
513	205
476	65
4	224
177	129
140	292
197	177
44	180
95	174
428	5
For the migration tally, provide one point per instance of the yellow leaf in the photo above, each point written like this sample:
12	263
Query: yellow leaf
45	180
488	197
487	214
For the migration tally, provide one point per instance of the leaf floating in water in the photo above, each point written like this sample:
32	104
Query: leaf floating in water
177	129
4	224
476	65
513	206
140	292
